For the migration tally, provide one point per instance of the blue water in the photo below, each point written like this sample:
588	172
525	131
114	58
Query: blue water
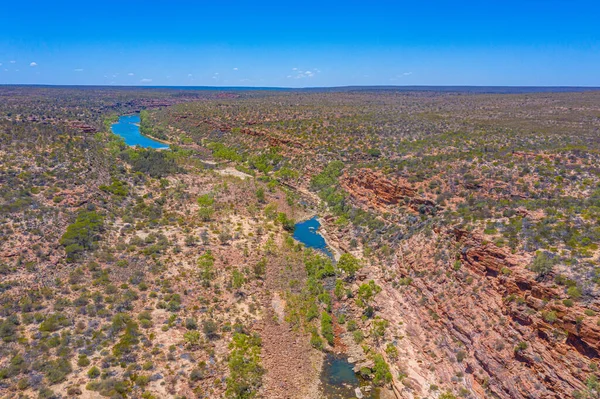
338	380
339	371
306	233
128	128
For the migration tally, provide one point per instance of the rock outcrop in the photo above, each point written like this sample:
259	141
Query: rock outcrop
486	325
373	189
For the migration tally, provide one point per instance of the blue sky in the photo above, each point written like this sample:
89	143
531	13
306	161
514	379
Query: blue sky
302	43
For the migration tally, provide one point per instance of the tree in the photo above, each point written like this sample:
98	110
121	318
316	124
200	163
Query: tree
205	267
260	195
349	264
366	292
210	328
288	224
260	268
391	351
327	327
206	210
82	235
245	371
206	200
542	265
381	371
237	279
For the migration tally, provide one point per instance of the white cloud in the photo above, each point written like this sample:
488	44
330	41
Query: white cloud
190	75
130	74
33	64
13	62
145	80
400	77
300	74
235	69
78	70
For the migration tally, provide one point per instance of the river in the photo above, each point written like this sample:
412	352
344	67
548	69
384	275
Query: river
338	380
128	127
307	233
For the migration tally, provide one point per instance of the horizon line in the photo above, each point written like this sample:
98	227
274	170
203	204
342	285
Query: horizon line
283	88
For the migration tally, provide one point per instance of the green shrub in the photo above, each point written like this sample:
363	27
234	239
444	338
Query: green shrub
574	292
57	370
549	316
358	336
83	361
316	341
381	371
391	351
245	371
542	264
349	264
82	235
327	327
54	322
94	372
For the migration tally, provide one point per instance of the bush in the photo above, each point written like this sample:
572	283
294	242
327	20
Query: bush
391	351
549	316
56	371
352	326
83	361
8	330
260	268
366	292
210	328
316	341
197	374
82	235
150	162
327	327
245	372
328	177
287	224
94	372
381	371
574	292
117	188
54	322
542	264
349	264
191	324
260	195
521	346
358	336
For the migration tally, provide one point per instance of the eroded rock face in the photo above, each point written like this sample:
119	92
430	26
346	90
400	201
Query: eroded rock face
478	319
373	189
492	309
